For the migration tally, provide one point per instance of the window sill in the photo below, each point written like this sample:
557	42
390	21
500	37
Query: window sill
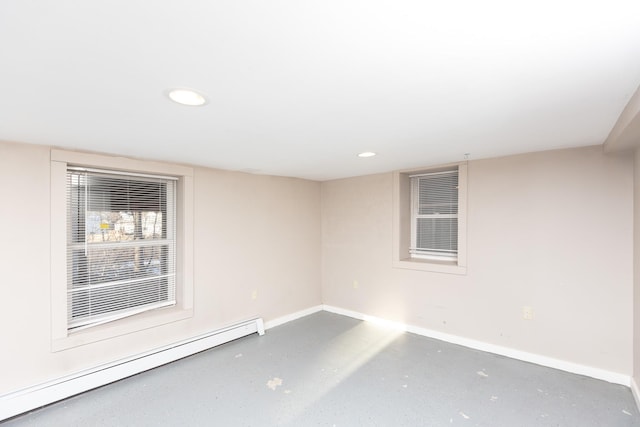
448	267
121	327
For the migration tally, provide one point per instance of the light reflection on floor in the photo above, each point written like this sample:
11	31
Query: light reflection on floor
347	353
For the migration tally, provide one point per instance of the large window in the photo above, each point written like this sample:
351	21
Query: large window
429	225
121	245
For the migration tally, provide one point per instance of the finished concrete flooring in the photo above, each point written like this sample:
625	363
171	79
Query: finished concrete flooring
330	370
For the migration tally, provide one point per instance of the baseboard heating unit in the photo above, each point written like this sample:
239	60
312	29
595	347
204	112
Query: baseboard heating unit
30	398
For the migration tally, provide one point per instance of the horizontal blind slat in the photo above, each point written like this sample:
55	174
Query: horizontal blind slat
116	283
99	320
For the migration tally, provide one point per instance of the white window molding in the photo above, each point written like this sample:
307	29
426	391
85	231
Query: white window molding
62	338
403	220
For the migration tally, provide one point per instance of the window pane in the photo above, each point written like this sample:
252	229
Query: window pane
109	299
437	234
107	264
438	194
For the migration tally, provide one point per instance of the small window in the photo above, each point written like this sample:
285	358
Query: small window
434	215
121	245
430	219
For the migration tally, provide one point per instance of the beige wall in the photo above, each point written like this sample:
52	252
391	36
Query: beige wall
252	233
636	273
624	140
550	230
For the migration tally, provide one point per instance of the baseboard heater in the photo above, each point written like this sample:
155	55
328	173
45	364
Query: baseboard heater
30	398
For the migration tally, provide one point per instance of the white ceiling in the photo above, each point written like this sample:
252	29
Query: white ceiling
299	87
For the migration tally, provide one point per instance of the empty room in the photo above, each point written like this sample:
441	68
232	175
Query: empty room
338	213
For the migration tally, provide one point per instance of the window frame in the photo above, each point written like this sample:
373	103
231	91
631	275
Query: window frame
93	191
402	222
416	216
61	337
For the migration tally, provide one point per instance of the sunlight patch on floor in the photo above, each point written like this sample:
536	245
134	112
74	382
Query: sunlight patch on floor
346	354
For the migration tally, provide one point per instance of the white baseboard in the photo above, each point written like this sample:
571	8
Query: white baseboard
575	368
30	398
293	316
635	391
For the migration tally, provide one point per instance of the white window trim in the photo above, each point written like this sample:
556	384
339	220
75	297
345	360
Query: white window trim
61	338
402	223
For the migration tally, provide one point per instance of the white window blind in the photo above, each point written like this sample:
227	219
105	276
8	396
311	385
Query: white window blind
434	215
121	245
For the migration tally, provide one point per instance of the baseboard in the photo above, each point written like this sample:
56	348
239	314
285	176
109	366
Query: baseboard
575	368
636	392
30	398
293	316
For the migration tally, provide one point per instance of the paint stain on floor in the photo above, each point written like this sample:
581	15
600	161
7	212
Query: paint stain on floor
274	383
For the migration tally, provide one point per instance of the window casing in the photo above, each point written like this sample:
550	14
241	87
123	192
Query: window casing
121	245
430	219
66	332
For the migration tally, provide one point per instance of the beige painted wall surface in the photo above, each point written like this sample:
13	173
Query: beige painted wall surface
256	236
636	272
550	230
252	233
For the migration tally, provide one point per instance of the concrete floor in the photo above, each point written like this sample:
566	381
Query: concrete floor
329	370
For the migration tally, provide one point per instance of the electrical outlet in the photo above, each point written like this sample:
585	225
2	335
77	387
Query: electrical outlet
527	313
254	295
355	284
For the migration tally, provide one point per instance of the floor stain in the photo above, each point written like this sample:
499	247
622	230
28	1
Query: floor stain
274	383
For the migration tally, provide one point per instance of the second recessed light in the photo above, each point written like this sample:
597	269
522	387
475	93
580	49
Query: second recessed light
186	97
367	154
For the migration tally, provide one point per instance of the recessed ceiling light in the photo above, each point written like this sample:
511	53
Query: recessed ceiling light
367	154
186	97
